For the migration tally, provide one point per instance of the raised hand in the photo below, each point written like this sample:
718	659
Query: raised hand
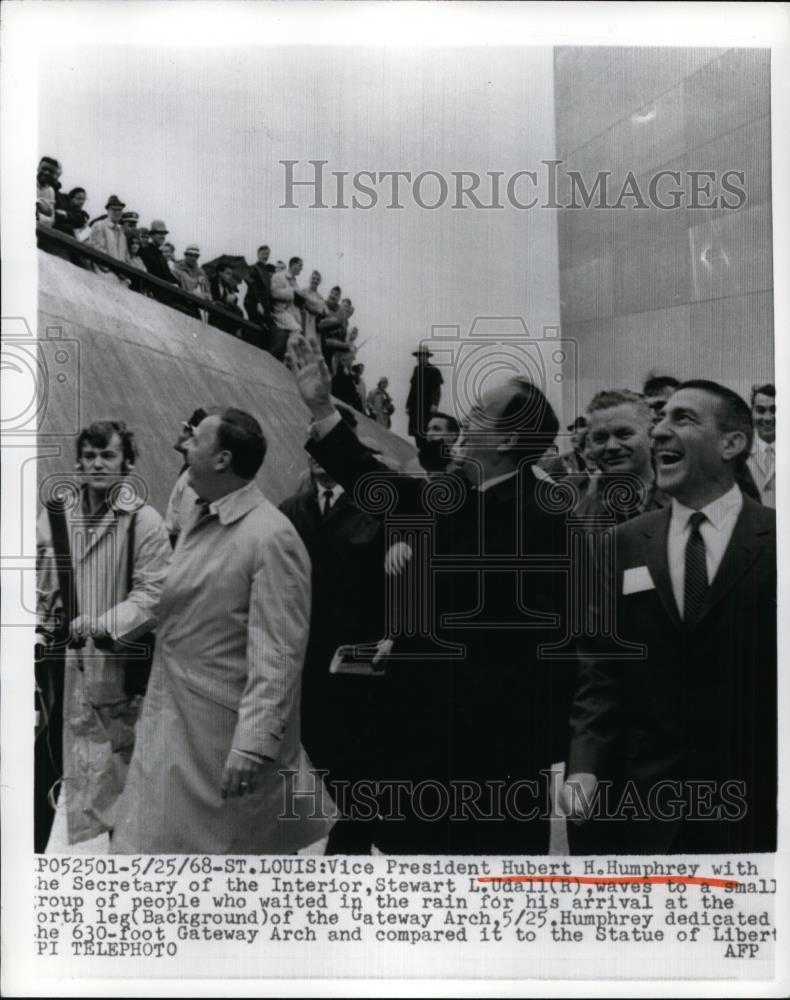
398	554
312	377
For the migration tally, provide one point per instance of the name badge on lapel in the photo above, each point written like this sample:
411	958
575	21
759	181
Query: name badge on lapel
636	580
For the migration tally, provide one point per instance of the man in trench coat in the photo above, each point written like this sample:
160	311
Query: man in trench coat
218	766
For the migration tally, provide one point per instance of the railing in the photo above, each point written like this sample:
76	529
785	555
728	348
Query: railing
52	240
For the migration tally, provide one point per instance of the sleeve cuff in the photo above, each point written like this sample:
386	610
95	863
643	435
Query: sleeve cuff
320	428
261	745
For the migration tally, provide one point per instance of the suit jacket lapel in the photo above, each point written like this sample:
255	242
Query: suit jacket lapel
744	547
656	560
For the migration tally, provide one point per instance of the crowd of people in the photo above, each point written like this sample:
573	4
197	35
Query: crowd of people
403	676
273	298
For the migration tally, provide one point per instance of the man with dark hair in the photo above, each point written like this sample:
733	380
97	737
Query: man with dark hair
221	718
46	190
119	554
657	390
224	292
762	460
440	436
483	708
619	443
425	391
258	300
677	712
357	371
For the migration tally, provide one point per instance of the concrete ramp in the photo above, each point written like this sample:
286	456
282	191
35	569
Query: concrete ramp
111	352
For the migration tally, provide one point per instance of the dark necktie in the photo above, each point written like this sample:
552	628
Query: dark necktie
696	578
327	505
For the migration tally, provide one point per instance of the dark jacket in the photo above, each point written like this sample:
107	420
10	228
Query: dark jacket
425	390
339	713
259	292
479	701
665	702
156	263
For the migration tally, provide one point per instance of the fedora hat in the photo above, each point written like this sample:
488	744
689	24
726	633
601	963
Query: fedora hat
115	202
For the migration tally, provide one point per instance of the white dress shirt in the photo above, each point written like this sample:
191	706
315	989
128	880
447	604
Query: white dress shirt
335	490
716	532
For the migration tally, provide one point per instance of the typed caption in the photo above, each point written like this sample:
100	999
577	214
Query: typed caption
176	911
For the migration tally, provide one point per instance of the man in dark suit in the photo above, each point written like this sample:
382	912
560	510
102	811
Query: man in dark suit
153	258
340	712
673	725
425	391
258	300
483	716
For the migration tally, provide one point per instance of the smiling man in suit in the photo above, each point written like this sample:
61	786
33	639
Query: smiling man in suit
673	744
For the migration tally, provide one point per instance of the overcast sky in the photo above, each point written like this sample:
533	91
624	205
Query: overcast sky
195	136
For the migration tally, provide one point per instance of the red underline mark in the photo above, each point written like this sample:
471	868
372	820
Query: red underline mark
721	883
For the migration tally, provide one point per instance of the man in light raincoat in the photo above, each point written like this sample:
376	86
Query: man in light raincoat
98	712
218	765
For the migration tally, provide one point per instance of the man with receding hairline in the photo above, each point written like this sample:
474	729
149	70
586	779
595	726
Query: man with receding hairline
481	711
618	442
221	718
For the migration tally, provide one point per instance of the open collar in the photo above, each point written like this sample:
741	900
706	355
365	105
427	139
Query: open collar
235	505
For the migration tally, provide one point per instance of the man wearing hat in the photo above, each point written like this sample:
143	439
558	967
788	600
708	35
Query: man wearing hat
108	234
425	391
190	274
153	258
129	222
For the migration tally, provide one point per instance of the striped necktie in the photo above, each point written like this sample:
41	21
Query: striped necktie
695	588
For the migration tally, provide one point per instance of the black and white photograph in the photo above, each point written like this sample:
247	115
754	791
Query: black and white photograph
390	477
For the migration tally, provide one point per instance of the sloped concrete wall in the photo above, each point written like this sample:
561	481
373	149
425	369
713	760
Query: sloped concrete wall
111	352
